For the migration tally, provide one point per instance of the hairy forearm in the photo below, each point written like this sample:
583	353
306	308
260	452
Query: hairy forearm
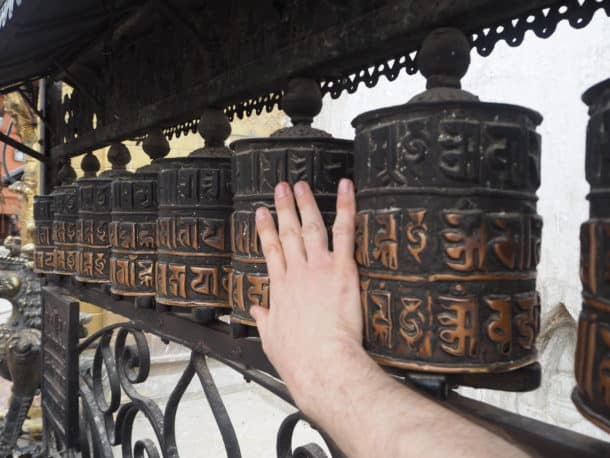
368	413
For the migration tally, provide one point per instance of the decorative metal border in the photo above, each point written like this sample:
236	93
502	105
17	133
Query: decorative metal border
543	22
121	361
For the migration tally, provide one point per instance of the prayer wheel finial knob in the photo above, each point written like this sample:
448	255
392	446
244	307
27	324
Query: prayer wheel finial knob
444	57
214	127
66	174
155	145
302	100
119	156
90	165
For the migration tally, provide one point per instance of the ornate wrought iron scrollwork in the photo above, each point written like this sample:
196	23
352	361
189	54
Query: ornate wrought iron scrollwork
311	450
121	364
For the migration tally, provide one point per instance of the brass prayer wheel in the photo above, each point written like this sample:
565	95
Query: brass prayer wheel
195	203
94	217
44	252
133	226
592	394
297	153
448	236
65	216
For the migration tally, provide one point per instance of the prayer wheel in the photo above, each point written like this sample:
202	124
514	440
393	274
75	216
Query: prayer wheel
195	203
297	153
592	394
65	215
44	252
133	226
94	217
448	238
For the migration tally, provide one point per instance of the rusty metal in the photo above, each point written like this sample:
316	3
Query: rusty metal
592	394
297	153
447	232
94	217
133	227
193	231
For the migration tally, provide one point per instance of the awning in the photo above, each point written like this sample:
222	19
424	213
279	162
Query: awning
40	37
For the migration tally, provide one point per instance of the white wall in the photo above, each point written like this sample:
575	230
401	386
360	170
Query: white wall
549	76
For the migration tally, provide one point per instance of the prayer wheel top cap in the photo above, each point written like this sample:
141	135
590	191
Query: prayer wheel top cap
444	59
302	102
119	156
90	165
215	128
156	147
597	96
66	174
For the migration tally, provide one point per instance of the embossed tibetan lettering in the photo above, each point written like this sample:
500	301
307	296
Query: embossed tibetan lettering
193	227
297	153
96	229
447	235
592	393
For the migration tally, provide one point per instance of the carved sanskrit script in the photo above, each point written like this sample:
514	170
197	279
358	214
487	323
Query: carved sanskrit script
427	322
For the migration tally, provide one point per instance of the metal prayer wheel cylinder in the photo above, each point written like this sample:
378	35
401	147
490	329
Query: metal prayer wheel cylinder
64	230
298	153
592	394
94	218
448	237
44	252
133	228
193	232
65	204
132	235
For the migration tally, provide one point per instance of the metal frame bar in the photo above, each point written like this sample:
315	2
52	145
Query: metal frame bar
22	147
246	357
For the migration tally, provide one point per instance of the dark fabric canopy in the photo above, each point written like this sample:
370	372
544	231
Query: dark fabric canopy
40	37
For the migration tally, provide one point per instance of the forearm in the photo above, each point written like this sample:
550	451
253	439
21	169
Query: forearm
368	413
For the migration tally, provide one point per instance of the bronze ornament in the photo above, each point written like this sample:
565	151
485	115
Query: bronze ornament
448	238
94	217
592	393
296	153
133	228
65	216
195	202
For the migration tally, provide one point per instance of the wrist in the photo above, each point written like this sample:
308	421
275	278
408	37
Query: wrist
340	366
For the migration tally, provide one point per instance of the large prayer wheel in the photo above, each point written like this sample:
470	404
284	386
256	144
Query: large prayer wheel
44	251
297	153
448	238
193	232
65	216
133	227
592	395
94	217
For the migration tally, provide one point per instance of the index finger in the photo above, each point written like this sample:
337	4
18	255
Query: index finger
344	228
270	243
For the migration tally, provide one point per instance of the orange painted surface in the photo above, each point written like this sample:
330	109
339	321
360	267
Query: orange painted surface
10	203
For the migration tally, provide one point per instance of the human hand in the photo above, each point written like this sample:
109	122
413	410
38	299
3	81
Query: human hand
315	312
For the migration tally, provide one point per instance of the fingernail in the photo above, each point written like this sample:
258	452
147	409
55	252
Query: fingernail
281	190
261	213
345	186
299	189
